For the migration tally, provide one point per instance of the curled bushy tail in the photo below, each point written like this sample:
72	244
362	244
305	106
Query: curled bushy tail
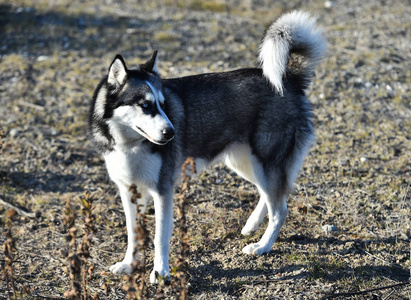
293	33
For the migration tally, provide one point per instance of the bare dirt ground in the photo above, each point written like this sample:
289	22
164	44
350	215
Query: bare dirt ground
356	178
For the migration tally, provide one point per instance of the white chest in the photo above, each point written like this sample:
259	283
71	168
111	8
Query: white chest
136	165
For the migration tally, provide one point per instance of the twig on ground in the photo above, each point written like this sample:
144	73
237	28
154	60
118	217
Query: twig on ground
31	105
366	291
48	297
383	260
18	210
257	282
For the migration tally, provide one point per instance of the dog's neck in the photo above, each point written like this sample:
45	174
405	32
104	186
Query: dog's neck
124	137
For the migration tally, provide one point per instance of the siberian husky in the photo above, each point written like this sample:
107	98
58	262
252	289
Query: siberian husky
256	121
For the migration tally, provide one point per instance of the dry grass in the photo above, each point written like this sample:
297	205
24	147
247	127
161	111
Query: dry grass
356	178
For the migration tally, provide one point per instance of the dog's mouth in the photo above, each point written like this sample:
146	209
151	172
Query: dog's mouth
143	133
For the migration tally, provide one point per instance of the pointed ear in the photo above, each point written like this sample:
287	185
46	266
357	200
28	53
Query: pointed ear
117	73
151	65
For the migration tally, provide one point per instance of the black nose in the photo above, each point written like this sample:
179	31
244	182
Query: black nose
168	133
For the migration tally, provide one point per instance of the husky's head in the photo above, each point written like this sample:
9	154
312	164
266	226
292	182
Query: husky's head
131	102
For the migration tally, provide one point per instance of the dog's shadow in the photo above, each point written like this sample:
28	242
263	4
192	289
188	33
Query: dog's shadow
213	278
319	266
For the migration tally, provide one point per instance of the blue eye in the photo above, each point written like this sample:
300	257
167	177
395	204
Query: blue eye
145	105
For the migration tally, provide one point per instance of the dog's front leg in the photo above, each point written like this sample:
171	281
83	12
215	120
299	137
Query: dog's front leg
163	205
130	210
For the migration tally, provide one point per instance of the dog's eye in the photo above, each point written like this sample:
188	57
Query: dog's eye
145	105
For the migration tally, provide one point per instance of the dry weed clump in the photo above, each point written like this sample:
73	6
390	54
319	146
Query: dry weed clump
86	240
180	264
1	136
80	269
9	250
136	287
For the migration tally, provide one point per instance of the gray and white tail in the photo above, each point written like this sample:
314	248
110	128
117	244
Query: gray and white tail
294	41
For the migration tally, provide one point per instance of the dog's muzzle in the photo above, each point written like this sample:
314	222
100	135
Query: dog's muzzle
168	133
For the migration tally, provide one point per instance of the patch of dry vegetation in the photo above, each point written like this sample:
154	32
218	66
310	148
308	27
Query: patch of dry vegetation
80	269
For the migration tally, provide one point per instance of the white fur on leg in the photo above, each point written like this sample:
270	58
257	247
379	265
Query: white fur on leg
277	213
240	160
125	266
164	225
143	200
255	219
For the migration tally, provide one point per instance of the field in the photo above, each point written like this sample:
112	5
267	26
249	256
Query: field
348	233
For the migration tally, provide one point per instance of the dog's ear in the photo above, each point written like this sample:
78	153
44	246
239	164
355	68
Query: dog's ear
117	73
151	64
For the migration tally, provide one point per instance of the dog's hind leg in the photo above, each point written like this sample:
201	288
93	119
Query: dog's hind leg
277	212
241	161
273	187
255	219
274	182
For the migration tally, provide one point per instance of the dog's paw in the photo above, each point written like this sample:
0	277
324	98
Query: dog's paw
252	225
248	230
157	277
255	249
121	267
